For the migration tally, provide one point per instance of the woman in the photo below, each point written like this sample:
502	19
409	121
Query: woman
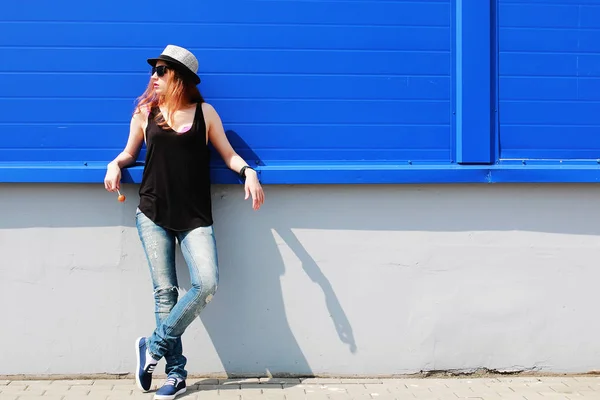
175	204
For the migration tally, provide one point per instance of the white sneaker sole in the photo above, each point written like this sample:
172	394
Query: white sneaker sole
137	370
169	397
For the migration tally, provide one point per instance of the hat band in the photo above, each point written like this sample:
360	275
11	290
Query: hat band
177	65
173	60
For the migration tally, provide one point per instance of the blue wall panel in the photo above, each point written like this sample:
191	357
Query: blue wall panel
294	81
319	91
549	79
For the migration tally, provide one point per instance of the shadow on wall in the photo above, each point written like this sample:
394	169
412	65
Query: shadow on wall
247	322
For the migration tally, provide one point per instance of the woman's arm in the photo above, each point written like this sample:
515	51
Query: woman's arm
112	180
216	135
134	142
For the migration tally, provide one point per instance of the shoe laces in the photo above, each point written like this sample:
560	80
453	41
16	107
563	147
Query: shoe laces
171	381
150	368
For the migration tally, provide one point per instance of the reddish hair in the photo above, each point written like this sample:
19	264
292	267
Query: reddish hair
180	92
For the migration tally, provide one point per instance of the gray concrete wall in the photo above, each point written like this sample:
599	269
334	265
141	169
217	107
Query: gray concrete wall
342	280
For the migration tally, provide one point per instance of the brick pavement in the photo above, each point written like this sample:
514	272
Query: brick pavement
488	388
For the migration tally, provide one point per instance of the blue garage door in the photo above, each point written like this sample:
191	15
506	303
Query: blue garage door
295	81
549	79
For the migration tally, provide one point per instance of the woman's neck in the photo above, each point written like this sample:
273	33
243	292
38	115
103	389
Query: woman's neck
163	106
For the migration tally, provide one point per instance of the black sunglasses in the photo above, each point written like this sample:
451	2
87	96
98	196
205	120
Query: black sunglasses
160	70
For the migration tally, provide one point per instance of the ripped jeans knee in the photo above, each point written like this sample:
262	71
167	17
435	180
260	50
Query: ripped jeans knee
164	300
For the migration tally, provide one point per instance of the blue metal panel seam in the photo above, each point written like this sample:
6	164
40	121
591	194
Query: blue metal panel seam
473	81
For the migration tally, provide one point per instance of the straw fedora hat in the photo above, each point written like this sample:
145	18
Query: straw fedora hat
181	59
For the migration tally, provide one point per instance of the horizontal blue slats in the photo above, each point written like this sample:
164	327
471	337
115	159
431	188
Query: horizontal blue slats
127	86
552	141
294	81
233	61
310	82
532	40
537	40
320	136
422	12
319	91
550	113
548	86
253	156
539	88
527	15
538	64
211	36
238	111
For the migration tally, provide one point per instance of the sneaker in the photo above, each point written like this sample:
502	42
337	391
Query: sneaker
172	388
145	365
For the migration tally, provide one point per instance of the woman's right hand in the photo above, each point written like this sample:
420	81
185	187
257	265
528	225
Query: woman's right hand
112	179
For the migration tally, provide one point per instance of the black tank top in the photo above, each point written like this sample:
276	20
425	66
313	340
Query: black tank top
175	189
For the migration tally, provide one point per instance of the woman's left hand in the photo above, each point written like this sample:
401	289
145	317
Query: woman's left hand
254	189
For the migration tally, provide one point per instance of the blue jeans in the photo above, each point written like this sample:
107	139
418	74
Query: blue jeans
199	249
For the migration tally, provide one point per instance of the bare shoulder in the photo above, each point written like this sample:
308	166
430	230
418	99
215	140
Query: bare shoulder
207	107
140	116
210	114
142	112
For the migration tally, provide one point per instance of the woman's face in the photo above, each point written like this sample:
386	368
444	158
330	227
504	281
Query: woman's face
159	82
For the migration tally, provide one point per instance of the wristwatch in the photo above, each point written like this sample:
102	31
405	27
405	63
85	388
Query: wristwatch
243	171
